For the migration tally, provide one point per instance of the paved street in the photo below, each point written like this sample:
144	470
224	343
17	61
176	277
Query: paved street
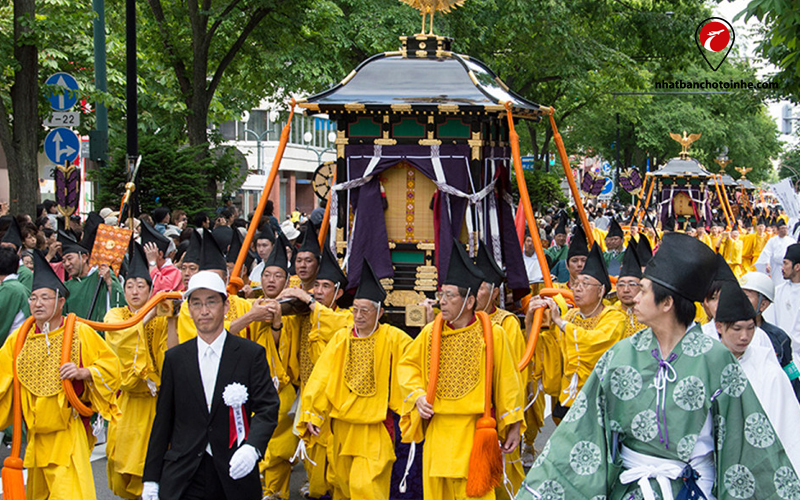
298	475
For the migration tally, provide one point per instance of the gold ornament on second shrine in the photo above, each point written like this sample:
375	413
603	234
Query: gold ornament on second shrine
685	142
743	171
426	7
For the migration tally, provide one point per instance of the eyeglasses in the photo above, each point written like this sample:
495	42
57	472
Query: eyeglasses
359	311
34	298
209	304
580	285
447	295
631	286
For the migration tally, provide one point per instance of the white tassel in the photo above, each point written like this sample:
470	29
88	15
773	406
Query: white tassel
572	390
152	387
412	452
301	453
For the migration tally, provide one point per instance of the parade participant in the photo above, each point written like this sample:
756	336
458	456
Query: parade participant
276	468
736	327
753	245
558	251
598	235
486	300
58	443
306	261
614	241
265	240
190	262
584	333
197	449
13	294
307	335
770	261
532	267
459	403
84	286
13	239
731	250
166	277
717	228
567	271
784	311
630	275
352	390
667	406
702	233
761	291
233	254
644	251
237	318
140	350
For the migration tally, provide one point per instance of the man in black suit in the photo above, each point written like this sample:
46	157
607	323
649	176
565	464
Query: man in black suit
199	449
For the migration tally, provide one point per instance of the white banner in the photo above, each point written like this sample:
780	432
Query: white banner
787	197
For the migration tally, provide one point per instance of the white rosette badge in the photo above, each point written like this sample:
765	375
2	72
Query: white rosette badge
235	396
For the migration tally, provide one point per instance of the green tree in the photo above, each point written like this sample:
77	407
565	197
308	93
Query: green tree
544	188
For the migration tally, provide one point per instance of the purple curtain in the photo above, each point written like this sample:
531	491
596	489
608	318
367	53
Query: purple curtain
369	239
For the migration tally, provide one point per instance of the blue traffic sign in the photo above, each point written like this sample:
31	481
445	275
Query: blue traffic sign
607	188
527	162
61	145
62	100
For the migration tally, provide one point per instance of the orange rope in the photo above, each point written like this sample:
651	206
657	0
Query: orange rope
576	195
13	480
136	318
538	314
326	218
235	282
66	350
436	348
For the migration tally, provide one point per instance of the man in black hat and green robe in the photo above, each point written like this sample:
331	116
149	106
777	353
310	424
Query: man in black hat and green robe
459	401
558	251
615	240
567	271
667	410
89	297
354	386
13	239
575	339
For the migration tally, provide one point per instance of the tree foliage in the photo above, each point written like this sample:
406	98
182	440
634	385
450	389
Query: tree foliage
544	188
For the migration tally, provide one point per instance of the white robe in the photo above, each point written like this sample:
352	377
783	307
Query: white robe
784	312
772	254
776	396
532	268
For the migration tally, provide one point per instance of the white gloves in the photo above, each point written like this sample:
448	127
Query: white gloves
243	461
150	490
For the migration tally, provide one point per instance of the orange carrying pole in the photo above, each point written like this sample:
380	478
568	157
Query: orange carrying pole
235	282
646	200
728	205
722	202
573	187
326	218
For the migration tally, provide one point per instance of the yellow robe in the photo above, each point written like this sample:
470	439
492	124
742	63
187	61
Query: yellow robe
303	338
238	308
516	344
599	236
632	324
752	248
706	238
458	403
731	251
275	467
58	446
715	241
140	350
580	346
352	386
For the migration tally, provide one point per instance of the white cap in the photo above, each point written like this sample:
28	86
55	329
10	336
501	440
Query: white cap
288	230
758	282
205	279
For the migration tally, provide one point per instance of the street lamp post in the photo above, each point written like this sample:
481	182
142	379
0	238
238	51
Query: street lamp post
272	117
308	137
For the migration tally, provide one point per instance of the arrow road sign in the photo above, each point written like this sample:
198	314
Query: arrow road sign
68	96
61	145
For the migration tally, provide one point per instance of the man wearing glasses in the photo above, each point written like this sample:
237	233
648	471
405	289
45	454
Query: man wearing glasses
627	287
576	341
59	444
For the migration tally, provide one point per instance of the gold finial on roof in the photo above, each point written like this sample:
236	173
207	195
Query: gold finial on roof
426	7
722	164
743	170
685	142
